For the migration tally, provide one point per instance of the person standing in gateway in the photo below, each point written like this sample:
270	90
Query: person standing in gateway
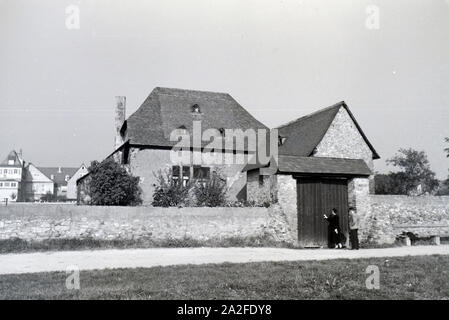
354	225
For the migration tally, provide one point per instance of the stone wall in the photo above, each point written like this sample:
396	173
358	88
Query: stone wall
37	222
287	199
390	215
343	140
145	163
261	189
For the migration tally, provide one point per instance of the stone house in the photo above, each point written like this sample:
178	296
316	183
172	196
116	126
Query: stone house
325	161
144	146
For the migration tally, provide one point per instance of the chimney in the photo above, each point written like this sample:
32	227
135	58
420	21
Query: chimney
120	110
59	170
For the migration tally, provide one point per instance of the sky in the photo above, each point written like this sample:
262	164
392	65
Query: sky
389	60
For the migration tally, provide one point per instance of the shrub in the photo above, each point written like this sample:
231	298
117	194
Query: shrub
168	193
111	185
211	193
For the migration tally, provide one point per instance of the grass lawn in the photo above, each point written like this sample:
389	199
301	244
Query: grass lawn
400	278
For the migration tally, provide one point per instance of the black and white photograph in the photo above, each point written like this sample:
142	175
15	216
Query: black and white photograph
246	151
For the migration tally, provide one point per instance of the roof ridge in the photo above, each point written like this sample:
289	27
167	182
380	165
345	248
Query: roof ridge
338	104
187	90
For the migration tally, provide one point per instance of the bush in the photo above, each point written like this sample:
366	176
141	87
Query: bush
168	193
211	193
111	185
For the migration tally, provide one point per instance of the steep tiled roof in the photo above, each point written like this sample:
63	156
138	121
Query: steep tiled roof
304	134
340	166
167	109
319	165
12	156
58	173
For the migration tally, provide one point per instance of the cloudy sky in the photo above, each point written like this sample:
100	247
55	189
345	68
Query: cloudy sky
279	59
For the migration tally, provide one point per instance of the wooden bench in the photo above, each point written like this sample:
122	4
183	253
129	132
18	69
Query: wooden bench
435	237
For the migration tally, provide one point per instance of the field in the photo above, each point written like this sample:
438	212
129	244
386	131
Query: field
423	277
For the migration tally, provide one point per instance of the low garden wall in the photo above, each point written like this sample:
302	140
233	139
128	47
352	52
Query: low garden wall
36	222
390	215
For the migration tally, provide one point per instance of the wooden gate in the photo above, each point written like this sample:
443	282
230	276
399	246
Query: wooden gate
316	197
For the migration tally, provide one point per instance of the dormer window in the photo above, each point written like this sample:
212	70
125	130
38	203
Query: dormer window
52	177
67	178
281	140
196	108
11	162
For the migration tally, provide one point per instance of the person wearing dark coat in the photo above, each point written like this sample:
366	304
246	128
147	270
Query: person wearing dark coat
333	230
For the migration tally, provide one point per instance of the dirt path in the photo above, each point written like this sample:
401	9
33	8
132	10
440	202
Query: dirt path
133	258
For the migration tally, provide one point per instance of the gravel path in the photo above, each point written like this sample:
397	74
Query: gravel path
134	258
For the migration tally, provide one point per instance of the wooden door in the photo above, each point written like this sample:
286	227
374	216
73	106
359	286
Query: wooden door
316	197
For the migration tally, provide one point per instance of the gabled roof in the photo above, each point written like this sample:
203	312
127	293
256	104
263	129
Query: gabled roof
167	109
12	156
318	165
58	173
304	134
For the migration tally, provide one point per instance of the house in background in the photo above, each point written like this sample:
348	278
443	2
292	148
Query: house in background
37	184
11	177
71	184
60	177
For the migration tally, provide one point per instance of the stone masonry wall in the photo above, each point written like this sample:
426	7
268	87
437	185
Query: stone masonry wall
35	222
145	163
287	199
343	140
390	215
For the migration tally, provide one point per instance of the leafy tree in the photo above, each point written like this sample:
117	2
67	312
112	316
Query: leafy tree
415	175
111	185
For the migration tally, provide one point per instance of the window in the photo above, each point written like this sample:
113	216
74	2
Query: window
5	171
175	174
261	180
67	178
15	171
185	175
52	176
7	184
281	140
11	162
13	184
201	174
196	108
1	184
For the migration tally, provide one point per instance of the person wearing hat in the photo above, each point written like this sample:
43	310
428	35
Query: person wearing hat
354	225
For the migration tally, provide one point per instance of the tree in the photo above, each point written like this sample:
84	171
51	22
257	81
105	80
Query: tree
415	176
447	149
111	185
